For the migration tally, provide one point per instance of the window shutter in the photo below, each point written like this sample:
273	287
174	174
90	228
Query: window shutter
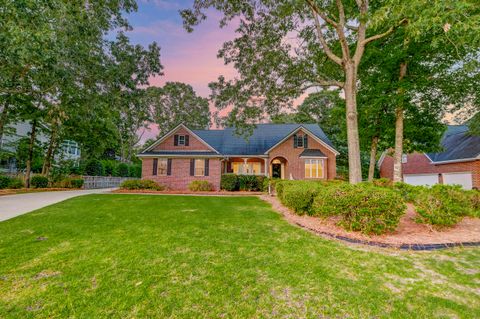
207	168
155	166
305	141
187	140
175	140
169	166
192	166
295	141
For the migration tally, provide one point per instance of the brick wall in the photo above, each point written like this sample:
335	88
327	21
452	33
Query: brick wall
418	163
194	144
296	165
180	177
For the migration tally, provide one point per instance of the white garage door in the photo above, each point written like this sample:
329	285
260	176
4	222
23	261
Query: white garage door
421	179
464	179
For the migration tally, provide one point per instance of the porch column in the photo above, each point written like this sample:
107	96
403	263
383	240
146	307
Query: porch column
245	165
265	167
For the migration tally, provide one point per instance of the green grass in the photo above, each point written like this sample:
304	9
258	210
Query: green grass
140	256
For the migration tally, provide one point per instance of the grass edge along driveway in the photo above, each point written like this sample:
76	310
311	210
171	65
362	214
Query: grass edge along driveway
140	256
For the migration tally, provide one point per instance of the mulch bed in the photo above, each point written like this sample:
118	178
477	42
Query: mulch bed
33	190
409	235
172	192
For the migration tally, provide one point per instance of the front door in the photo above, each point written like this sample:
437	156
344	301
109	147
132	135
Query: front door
276	170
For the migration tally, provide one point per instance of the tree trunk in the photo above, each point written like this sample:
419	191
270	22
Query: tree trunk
3	121
47	163
399	115
30	153
373	158
354	164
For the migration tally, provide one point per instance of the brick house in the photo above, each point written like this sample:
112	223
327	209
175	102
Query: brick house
458	163
287	151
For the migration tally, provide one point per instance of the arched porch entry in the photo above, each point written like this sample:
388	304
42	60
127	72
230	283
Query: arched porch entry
278	167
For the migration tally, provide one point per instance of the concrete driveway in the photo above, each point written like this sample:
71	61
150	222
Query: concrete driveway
15	205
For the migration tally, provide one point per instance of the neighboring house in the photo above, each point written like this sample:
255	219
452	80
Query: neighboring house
458	163
287	151
69	150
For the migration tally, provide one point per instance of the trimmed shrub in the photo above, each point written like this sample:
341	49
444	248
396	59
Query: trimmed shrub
16	183
299	195
4	181
200	186
474	196
248	183
141	184
122	170
382	182
407	191
135	170
443	205
362	207
229	182
94	167
39	181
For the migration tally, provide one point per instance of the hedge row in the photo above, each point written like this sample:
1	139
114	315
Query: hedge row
439	205
233	182
141	184
39	181
363	207
11	182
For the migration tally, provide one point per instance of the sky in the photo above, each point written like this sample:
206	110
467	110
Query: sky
187	57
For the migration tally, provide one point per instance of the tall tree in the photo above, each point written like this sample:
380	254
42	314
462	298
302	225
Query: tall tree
285	47
176	103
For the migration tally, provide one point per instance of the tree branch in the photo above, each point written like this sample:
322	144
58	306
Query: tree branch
321	14
340	30
321	38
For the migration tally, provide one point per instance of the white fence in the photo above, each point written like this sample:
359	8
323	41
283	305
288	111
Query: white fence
91	182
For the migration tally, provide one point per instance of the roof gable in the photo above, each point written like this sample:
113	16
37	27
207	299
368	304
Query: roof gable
264	137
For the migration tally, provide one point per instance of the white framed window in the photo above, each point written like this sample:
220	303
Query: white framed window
199	167
181	140
314	168
299	140
162	166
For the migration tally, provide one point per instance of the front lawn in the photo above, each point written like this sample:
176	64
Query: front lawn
141	256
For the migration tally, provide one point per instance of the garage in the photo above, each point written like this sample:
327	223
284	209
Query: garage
421	179
463	179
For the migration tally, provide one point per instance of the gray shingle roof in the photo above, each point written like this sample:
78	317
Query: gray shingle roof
457	145
264	137
180	153
312	153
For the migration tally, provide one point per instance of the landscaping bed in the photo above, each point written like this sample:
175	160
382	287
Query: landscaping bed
408	232
186	192
33	190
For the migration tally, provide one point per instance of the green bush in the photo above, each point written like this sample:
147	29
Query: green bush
382	182
123	170
135	170
94	167
474	196
299	195
77	182
229	182
16	183
443	205
141	184
200	186
4	181
110	167
362	207
39	181
408	192
248	183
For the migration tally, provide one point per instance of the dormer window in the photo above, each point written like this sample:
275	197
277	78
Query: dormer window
180	140
300	141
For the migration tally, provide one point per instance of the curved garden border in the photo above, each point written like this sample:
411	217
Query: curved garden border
417	247
371	243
